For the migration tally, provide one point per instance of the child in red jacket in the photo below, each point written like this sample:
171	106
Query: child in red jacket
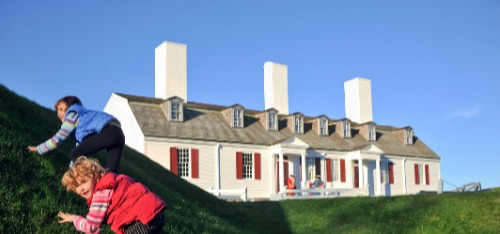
125	205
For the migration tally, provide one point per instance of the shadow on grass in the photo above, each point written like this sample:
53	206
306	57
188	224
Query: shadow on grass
193	210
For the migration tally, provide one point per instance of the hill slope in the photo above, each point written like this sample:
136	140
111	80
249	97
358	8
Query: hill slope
32	194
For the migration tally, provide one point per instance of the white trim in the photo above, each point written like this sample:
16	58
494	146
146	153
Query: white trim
404	177
217	167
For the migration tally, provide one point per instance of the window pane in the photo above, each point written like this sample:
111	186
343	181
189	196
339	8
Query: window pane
247	166
183	162
336	169
175	111
272	121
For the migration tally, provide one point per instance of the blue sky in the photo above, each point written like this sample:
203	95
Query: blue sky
434	65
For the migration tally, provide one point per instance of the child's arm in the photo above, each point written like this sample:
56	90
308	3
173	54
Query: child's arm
68	126
97	213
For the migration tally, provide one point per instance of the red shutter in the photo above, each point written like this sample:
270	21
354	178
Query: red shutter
342	170
194	164
427	182
239	165
173	160
257	166
391	173
328	170
417	181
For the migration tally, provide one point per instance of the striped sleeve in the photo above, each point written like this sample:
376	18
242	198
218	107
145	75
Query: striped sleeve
97	212
68	126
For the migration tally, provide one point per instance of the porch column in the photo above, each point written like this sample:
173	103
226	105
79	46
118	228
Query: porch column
378	182
282	171
361	174
303	180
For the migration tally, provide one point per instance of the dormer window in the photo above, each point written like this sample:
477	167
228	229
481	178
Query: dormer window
272	121
372	134
237	117
173	109
323	126
346	127
408	136
298	124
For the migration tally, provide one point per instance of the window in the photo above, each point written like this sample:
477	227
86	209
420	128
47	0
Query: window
237	117
183	162
272	121
383	172
175	111
310	169
323	127
336	169
247	166
408	136
421	175
371	132
298	124
347	128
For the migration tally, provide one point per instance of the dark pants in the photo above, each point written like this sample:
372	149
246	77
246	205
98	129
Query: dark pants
110	138
154	226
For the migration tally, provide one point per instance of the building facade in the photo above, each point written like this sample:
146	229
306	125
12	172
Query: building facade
231	147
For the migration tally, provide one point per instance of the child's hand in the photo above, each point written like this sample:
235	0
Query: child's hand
65	217
32	148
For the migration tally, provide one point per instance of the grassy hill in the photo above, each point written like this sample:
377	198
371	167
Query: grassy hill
32	194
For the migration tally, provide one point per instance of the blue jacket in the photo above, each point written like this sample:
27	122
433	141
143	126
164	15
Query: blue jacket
89	121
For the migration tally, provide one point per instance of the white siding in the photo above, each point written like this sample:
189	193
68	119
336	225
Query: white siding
404	182
255	188
433	178
160	153
119	108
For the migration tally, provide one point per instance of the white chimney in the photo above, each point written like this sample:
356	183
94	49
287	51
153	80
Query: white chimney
276	87
358	100
171	70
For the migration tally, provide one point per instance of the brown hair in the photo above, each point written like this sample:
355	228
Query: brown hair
83	167
68	100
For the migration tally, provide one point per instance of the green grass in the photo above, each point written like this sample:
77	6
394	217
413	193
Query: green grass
32	195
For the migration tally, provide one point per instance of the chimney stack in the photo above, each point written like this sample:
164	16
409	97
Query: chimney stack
276	87
171	70
358	100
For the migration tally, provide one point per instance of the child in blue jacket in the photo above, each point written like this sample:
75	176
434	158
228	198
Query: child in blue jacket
93	130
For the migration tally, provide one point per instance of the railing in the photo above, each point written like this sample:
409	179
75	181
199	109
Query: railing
315	193
238	194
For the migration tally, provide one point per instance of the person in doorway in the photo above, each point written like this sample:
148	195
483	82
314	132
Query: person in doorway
291	184
93	130
318	183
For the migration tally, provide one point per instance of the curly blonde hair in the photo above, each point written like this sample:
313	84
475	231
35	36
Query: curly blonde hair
83	167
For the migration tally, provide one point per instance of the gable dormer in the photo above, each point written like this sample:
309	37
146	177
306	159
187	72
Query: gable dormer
320	125
173	109
368	131
269	119
295	122
405	135
234	116
343	128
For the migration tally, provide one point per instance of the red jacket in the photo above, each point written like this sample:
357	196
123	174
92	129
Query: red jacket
131	201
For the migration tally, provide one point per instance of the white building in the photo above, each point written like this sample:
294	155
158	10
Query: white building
230	147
